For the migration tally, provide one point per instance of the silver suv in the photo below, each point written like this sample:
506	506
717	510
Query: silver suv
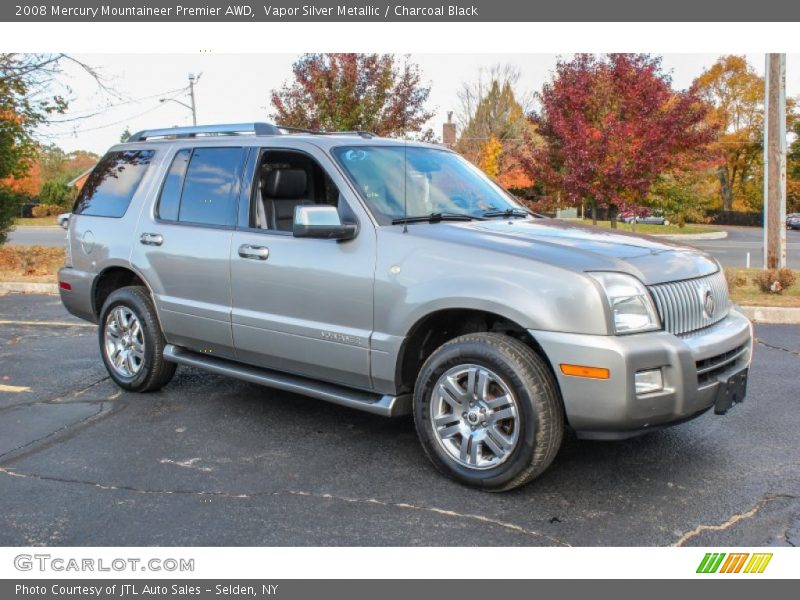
394	278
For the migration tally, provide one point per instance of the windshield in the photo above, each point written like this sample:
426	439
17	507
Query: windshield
400	181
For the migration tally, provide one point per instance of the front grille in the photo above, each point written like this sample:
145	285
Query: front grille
709	369
681	304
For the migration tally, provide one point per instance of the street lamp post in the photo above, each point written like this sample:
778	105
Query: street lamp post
193	79
192	82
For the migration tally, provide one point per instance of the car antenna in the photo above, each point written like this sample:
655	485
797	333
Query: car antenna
405	184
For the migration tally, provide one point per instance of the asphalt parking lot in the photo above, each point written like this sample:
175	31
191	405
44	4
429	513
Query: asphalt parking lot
213	461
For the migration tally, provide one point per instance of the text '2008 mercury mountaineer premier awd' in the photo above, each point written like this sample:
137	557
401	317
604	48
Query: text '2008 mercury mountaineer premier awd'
394	277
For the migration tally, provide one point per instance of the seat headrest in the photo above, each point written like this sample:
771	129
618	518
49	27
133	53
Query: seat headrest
285	183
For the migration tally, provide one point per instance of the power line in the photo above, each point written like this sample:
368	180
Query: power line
112	124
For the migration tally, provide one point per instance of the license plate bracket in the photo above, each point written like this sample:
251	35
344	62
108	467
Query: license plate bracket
730	391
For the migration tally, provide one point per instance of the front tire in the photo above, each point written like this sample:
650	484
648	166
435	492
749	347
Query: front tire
131	342
488	412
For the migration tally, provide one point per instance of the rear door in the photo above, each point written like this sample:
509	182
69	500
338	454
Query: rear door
183	242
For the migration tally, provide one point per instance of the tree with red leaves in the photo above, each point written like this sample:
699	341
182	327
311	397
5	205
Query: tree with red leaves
343	92
612	124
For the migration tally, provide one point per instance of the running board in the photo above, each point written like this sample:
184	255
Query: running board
385	406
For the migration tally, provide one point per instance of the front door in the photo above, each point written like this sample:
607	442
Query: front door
301	305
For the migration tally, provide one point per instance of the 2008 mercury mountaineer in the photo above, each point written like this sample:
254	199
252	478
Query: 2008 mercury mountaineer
394	277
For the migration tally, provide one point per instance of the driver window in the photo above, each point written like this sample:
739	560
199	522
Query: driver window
283	180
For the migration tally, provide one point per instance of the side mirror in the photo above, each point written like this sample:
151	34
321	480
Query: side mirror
322	222
63	220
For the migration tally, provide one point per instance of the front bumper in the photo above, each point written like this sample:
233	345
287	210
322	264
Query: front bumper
692	367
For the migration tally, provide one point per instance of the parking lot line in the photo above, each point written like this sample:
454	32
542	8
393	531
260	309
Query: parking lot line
47	323
14	388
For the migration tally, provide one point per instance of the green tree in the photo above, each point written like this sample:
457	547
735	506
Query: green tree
57	193
25	103
342	92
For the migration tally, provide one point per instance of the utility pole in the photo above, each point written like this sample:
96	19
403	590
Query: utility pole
192	82
775	162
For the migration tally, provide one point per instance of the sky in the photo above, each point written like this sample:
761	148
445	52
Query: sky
235	88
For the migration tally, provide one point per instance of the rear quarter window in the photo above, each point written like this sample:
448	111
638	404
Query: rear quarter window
112	184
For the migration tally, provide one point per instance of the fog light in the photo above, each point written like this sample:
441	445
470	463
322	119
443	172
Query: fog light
648	381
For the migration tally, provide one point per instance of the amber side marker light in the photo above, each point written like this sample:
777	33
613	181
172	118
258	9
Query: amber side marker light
583	371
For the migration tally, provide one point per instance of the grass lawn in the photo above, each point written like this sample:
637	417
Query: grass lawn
649	229
35	222
749	294
34	264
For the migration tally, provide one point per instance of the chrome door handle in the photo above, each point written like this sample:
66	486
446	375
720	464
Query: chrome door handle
254	252
152	239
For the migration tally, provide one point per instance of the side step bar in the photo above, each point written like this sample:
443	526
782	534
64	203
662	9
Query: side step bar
385	406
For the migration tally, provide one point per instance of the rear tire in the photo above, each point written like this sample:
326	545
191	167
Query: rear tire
131	341
488	412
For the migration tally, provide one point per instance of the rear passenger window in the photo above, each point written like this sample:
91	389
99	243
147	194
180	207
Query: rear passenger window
209	189
201	187
170	198
113	182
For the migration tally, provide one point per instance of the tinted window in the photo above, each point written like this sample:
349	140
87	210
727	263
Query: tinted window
170	197
109	189
209	190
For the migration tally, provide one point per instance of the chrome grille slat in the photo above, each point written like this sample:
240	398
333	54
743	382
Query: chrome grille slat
680	303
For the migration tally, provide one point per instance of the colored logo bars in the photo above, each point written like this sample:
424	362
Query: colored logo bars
716	562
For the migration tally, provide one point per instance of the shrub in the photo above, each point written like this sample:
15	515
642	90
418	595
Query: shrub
735	279
57	193
47	210
9	211
774	281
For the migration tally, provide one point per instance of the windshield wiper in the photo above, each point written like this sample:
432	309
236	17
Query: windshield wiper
436	217
509	212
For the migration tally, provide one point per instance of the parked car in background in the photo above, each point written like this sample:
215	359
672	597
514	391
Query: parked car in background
642	215
395	277
653	219
793	221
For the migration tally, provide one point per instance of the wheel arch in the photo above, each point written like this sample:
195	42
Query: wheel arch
439	326
112	278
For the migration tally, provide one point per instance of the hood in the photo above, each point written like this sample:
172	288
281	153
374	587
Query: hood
576	247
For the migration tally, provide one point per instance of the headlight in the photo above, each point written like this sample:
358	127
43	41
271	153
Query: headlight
630	303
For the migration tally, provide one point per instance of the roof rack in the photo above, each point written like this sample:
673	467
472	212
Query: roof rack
360	132
234	129
203	130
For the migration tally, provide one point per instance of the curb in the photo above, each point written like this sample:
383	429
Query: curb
714	235
28	288
24	227
777	315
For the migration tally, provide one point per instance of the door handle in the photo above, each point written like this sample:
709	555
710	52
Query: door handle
254	252
152	239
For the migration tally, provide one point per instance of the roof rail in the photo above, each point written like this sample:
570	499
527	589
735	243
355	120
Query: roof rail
359	132
202	130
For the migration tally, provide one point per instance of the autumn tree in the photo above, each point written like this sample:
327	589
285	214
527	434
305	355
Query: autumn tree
24	105
493	125
343	92
489	157
735	93
612	124
793	172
